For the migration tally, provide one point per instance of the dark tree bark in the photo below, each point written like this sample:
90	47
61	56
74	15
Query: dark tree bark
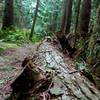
77	15
77	20
8	14
93	55
34	20
97	24
67	16
64	16
84	18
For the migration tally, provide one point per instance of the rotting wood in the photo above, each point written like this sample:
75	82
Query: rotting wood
57	82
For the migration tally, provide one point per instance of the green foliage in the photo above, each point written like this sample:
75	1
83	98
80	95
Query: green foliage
80	65
48	17
18	36
36	38
14	36
24	13
1	49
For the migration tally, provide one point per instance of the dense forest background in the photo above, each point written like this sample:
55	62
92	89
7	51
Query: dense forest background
25	21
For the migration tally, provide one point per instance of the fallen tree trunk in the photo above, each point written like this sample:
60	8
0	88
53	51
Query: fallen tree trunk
50	76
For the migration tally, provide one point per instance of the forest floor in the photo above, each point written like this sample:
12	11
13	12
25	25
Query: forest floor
10	66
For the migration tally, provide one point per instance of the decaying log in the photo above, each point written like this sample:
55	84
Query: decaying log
65	43
56	78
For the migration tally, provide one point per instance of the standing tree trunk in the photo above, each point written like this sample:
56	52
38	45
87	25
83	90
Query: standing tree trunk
34	20
84	18
77	15
8	15
97	23
91	57
77	20
67	16
64	16
93	54
83	24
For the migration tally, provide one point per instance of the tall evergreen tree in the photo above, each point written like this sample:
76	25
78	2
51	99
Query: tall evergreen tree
34	20
8	14
84	18
77	15
93	54
66	22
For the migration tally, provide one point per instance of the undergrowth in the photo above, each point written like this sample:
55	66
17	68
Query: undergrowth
18	36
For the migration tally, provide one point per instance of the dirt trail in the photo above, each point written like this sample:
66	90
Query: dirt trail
10	66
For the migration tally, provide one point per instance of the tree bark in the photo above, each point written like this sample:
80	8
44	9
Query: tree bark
84	18
66	22
64	16
93	47
92	41
34	20
8	15
77	15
